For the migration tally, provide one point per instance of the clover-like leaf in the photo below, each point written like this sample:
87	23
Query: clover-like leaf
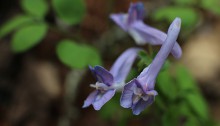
69	11
77	55
37	8
14	23
211	5
28	36
188	15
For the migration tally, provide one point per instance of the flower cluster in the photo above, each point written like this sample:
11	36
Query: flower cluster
139	92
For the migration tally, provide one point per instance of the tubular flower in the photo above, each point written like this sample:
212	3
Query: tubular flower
139	93
141	32
110	81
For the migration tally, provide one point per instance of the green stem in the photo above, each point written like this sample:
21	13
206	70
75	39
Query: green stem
150	50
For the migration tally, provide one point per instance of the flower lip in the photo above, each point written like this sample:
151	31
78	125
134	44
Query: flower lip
102	75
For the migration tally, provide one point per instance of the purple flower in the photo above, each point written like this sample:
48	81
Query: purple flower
110	81
139	93
142	33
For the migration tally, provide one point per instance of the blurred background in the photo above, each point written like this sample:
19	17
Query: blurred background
47	45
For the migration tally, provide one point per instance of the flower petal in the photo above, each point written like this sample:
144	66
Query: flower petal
135	12
144	34
140	84
141	105
93	71
145	82
104	98
127	94
123	64
138	91
103	75
152	92
90	99
143	73
102	86
121	20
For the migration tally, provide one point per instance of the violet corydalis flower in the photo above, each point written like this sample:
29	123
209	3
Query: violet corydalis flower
141	32
109	81
139	93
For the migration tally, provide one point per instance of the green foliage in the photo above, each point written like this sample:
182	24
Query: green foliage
185	2
184	79
30	30
69	11
211	5
188	15
14	23
77	55
112	110
132	74
166	65
28	36
109	109
190	92
198	105
166	85
38	8
145	60
186	101
179	114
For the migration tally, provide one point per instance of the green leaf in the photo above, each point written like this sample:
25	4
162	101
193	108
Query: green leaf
14	24
69	11
108	110
166	85
184	79
195	100
27	37
198	105
192	121
113	110
171	116
77	55
188	15
185	113
211	5
132	74
166	65
145	60
179	114
159	101
185	2
37	8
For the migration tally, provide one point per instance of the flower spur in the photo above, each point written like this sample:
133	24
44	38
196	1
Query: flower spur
139	93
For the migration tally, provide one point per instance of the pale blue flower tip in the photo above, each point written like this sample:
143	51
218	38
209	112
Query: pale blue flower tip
177	22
